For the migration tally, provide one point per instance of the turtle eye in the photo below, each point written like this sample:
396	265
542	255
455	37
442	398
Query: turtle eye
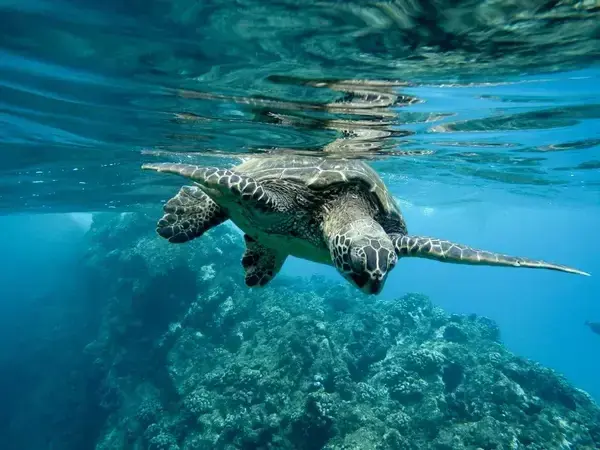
357	260
392	260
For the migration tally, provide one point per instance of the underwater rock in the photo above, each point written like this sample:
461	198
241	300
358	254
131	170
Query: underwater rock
202	362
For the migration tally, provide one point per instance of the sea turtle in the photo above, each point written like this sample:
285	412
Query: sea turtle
330	211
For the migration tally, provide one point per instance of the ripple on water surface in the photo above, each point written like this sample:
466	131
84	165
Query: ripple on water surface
470	93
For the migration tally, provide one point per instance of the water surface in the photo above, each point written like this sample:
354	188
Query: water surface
485	95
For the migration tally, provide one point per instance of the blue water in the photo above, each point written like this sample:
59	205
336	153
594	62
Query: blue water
499	150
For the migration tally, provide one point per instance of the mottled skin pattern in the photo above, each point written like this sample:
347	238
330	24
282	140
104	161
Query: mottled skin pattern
188	215
335	212
360	248
260	263
446	251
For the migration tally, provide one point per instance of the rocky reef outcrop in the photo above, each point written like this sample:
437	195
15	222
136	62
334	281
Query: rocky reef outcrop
194	360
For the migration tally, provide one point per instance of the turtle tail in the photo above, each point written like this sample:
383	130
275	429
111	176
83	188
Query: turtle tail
446	251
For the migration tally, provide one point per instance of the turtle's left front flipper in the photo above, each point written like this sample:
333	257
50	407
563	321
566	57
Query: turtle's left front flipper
224	182
446	251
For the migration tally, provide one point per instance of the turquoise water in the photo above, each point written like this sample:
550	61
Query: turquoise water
485	127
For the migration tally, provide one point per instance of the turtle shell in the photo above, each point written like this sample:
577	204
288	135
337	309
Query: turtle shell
322	173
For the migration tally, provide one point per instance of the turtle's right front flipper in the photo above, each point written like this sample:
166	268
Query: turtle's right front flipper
189	215
446	251
223	181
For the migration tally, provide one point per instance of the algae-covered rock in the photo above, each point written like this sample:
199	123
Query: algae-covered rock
197	361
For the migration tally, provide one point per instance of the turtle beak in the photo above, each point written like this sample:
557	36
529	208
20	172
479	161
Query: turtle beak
373	287
367	284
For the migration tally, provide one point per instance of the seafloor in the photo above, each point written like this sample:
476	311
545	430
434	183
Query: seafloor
186	357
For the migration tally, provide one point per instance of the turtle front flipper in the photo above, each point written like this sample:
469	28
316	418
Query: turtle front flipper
223	181
260	263
189	215
446	251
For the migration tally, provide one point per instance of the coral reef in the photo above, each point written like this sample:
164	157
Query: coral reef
194	360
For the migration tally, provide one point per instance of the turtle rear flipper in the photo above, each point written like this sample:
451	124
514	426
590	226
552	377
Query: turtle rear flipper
260	263
189	215
446	251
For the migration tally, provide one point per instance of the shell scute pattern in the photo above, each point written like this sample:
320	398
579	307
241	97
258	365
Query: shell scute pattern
343	257
320	174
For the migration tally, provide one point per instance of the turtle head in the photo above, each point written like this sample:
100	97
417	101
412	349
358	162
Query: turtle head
364	254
